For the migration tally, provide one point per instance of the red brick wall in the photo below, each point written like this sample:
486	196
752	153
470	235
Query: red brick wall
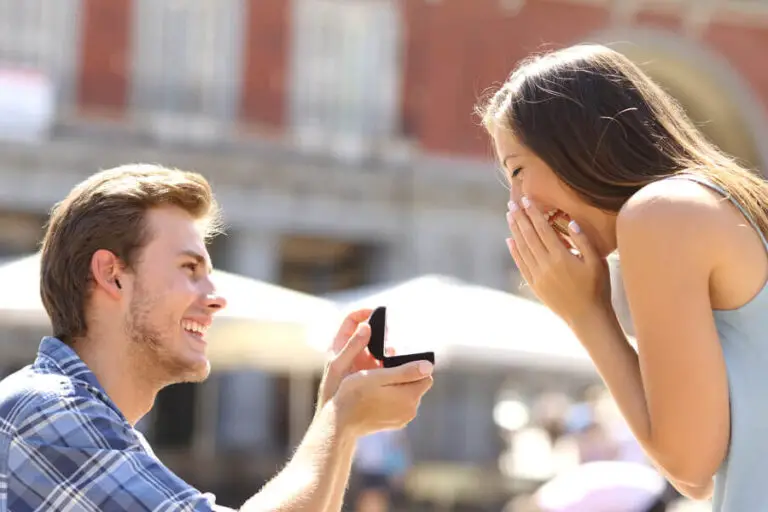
266	60
455	50
745	48
105	56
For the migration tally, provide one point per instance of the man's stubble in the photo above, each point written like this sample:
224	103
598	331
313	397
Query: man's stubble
153	345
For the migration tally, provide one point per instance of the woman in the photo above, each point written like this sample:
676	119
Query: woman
601	160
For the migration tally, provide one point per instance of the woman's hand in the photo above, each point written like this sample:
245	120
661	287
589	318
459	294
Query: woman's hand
571	285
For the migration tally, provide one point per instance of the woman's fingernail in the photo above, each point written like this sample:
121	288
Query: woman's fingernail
512	206
574	227
526	202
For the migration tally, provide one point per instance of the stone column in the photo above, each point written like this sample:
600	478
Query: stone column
254	254
104	71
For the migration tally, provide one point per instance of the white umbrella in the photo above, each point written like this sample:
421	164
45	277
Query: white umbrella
471	324
602	486
264	326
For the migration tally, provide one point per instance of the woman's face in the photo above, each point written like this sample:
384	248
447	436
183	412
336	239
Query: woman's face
530	176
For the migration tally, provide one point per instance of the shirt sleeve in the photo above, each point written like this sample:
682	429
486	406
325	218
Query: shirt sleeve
76	453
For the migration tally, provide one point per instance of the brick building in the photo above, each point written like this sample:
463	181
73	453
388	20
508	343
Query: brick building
305	111
338	133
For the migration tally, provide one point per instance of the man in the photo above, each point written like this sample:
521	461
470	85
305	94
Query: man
125	281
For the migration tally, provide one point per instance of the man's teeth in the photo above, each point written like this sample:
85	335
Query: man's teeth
191	325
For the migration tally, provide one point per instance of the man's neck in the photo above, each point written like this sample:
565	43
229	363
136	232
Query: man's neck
114	365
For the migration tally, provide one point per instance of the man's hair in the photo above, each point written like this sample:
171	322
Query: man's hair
108	211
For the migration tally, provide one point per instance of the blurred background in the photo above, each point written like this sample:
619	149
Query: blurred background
340	139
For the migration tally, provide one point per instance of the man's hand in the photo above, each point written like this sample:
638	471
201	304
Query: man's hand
352	337
382	399
356	397
366	396
374	398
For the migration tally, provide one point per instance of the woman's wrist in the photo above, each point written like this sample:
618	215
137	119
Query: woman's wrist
595	317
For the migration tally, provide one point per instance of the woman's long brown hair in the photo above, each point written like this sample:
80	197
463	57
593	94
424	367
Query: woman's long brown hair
606	129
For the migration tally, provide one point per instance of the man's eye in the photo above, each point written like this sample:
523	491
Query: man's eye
191	266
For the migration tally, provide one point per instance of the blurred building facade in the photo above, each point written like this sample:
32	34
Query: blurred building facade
340	138
339	133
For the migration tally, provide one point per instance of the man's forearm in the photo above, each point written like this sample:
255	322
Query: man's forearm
341	480
341	483
316	477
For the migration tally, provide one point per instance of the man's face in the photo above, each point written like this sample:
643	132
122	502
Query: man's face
172	299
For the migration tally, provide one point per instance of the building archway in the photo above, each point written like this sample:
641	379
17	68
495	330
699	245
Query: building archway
715	96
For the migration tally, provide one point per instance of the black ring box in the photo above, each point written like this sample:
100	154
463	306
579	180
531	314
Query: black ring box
377	321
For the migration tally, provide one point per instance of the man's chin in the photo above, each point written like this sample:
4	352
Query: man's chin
199	372
188	371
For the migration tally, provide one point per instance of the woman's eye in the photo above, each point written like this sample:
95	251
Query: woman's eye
515	172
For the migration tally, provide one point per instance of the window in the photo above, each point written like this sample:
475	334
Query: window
187	57
455	420
173	416
20	233
346	68
245	408
39	35
323	265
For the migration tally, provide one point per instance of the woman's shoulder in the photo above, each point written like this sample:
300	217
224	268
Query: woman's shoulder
674	210
677	200
705	232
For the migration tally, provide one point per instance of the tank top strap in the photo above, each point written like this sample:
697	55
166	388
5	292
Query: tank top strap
717	188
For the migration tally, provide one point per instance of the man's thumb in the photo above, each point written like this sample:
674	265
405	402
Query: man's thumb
410	372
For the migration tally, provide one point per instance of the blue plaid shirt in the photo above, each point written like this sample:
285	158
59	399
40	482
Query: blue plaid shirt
64	445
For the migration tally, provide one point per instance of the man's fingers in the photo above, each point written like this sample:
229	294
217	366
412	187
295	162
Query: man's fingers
355	317
348	327
404	374
356	344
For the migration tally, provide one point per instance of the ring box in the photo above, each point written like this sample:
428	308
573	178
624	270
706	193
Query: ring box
378	321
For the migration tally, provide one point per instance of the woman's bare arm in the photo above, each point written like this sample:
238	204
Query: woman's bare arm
673	392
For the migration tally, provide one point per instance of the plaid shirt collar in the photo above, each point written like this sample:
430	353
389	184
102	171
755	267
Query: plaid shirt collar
55	356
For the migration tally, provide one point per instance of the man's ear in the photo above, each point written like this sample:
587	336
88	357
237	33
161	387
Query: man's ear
106	269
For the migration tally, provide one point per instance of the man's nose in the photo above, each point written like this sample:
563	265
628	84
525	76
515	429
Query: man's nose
215	302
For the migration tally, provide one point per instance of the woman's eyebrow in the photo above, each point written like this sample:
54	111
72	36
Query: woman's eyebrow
504	161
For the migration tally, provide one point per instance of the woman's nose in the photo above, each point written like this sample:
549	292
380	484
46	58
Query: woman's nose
515	192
